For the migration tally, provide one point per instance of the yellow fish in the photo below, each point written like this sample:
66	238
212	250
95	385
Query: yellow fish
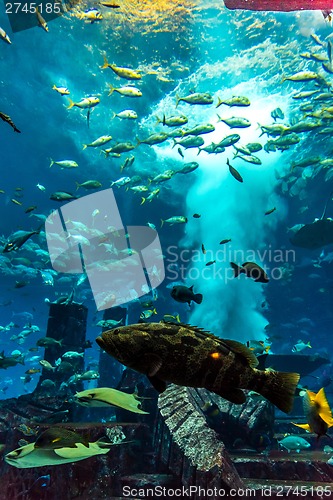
318	413
91	15
85	103
41	21
61	90
127	73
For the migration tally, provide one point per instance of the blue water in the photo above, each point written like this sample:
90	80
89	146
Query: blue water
193	46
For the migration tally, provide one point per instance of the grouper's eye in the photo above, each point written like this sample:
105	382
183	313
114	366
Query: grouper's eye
116	331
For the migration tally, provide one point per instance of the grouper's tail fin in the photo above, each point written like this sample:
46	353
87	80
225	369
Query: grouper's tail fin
278	387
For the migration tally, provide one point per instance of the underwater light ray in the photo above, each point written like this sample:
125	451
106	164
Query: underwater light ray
232	307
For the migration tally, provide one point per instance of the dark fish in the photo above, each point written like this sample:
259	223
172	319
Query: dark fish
251	270
277	113
32	371
229	140
196	98
269	147
270	211
188	356
203	249
62	196
261	442
8	120
178	132
234	172
188	168
65	367
173	121
58	437
8	361
249	159
318	413
30	209
191	141
211	148
185	294
196	216
254	147
180	152
282	141
306	162
152	139
210	410
22	442
234	101
21	284
211	262
328	67
48	342
235	122
17	239
120	147
241	447
306	107
223	242
316	234
127	163
21	260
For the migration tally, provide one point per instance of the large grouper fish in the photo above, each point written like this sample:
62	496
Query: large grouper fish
189	356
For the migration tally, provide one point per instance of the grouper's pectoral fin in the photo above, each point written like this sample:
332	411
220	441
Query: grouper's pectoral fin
153	363
157	383
235	396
